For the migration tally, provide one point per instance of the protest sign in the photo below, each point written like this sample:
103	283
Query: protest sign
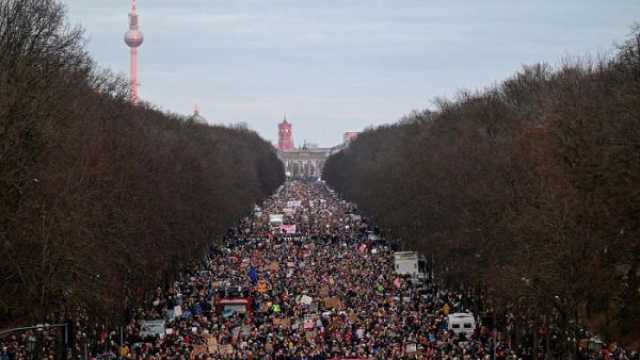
353	316
276	219
264	307
275	266
283	322
152	328
226	349
333	303
304	299
310	335
198	350
212	344
288	229
308	324
262	287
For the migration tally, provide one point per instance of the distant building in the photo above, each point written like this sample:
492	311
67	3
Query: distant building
349	136
308	145
285	136
305	162
196	117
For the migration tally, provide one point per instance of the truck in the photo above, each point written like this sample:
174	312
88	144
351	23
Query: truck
461	323
406	263
410	263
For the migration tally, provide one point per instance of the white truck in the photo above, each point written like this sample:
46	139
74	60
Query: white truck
406	263
410	263
462	323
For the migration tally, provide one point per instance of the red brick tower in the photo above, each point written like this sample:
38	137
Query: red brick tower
285	136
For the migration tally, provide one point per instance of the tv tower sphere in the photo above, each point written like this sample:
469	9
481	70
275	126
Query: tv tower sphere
134	37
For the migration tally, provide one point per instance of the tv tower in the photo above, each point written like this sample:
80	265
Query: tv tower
133	38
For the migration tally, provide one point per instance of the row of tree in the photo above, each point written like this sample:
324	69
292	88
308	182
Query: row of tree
528	191
100	200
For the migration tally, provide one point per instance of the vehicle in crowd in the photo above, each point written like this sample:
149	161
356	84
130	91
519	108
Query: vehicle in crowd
410	263
406	262
461	323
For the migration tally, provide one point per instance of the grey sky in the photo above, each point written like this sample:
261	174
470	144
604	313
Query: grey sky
336	66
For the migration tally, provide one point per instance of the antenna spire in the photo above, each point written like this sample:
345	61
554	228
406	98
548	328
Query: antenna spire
133	38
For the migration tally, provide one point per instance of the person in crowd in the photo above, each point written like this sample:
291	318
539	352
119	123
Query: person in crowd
318	287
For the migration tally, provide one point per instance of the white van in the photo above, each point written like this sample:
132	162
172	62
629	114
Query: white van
461	323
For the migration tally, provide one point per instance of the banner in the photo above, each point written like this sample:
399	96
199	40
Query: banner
285	323
152	328
198	350
288	229
276	219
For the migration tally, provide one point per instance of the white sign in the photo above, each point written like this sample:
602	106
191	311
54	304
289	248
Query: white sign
152	328
276	219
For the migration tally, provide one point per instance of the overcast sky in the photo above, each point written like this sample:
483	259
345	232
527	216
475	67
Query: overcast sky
338	65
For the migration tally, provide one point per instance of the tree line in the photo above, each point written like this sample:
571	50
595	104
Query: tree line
101	201
527	192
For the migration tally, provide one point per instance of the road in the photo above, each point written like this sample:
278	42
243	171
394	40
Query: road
322	290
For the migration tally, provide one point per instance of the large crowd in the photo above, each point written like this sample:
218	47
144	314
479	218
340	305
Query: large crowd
316	284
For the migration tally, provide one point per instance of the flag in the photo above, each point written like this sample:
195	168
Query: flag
253	275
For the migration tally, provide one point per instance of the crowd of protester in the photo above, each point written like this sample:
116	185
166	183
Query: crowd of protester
319	285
